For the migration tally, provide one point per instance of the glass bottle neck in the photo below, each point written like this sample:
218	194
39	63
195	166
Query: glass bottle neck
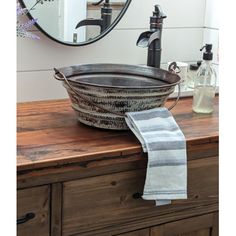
208	62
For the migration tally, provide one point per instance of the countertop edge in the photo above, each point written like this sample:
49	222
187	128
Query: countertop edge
60	162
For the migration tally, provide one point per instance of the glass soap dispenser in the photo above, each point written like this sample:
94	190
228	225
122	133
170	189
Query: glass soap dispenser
205	84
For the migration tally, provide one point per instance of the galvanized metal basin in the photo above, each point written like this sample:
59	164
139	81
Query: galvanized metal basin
101	94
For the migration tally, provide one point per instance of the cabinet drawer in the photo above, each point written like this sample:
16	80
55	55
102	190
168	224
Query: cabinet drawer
110	200
36	201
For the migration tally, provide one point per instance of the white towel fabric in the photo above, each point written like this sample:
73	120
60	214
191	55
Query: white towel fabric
161	137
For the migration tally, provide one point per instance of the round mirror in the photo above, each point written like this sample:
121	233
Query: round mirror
76	22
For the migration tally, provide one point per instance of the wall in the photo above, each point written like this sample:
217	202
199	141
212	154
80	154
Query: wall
182	37
211	26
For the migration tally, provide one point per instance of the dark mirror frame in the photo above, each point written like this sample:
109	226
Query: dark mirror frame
105	32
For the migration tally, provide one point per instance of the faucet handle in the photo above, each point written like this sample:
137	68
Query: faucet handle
158	12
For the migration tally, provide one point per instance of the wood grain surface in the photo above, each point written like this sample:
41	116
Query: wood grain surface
196	226
48	134
37	201
108	200
141	232
56	209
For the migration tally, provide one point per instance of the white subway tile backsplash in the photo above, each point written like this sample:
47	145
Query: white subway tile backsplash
38	85
181	44
211	36
117	47
34	57
212	14
181	13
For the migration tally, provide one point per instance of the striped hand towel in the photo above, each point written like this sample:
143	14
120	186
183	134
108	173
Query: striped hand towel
162	139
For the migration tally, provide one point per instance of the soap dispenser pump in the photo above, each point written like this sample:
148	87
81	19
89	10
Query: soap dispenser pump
205	83
152	38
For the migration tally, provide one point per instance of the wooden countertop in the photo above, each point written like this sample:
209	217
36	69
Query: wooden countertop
48	134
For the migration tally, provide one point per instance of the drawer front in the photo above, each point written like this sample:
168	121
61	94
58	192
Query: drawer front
110	200
33	211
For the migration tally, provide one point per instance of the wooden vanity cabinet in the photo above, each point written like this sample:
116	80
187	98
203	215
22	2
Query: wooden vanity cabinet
78	180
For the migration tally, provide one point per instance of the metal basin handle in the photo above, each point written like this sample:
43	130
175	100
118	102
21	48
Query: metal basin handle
176	100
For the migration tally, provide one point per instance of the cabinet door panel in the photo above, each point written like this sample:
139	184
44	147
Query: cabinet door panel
195	226
203	232
104	202
35	201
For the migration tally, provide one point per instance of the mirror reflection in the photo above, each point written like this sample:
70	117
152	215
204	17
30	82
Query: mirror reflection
74	21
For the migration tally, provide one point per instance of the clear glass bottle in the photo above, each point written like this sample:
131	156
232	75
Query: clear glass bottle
205	84
192	72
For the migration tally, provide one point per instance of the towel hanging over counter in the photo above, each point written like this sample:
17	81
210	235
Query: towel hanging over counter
162	139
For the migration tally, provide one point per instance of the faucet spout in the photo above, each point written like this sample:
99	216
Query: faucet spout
147	38
152	38
89	21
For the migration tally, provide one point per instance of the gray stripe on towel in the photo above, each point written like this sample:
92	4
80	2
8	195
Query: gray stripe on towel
160	127
164	134
155	146
165	191
166	164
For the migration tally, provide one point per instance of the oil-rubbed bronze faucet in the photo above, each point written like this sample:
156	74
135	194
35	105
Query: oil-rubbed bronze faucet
152	38
106	15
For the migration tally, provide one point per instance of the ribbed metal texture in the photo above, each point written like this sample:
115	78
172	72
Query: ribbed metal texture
116	99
